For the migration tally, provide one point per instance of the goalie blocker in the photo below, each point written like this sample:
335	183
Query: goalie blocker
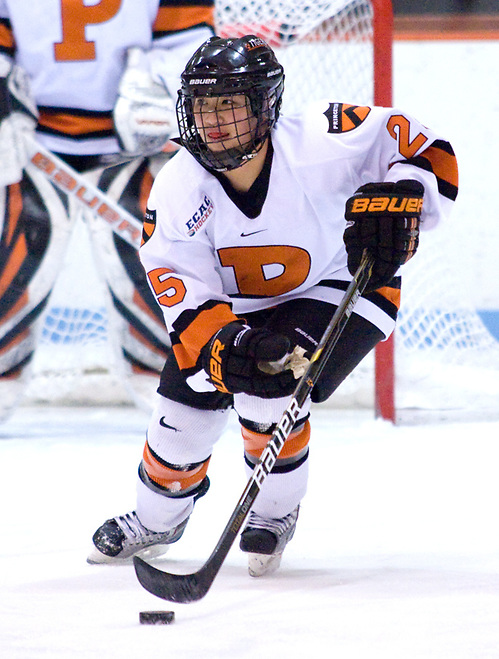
384	218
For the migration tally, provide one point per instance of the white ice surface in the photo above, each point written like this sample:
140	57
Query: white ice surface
396	553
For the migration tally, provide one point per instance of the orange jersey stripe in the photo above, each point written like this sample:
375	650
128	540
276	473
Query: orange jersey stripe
255	442
75	125
174	19
444	164
172	479
6	37
199	332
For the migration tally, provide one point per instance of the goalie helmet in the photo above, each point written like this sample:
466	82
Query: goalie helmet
246	67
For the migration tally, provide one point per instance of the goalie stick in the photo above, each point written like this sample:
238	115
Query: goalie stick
192	587
89	196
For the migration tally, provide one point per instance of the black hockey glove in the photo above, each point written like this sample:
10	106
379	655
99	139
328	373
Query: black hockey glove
232	356
384	218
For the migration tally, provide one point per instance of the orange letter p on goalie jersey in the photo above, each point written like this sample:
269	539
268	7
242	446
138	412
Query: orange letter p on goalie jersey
75	17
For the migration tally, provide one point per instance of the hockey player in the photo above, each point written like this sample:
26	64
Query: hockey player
248	253
96	81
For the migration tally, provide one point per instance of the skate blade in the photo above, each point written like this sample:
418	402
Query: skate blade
263	564
96	557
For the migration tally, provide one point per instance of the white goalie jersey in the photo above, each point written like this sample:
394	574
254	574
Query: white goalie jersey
74	53
207	262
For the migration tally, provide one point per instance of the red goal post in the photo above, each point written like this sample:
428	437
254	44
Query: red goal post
384	364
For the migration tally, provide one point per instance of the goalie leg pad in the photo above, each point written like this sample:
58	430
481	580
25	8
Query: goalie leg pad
35	231
137	321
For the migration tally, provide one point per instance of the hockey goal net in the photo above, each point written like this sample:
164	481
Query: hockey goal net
439	361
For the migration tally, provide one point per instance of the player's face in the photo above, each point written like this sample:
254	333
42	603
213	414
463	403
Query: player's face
224	122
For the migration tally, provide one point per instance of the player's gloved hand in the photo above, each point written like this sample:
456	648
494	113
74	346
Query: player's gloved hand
384	218
232	358
144	114
18	115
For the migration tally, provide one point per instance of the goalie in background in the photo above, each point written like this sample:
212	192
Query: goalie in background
248	254
99	90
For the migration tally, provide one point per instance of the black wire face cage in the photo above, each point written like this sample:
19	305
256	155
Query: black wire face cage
245	135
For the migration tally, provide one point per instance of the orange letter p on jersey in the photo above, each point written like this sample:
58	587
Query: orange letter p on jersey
75	17
250	265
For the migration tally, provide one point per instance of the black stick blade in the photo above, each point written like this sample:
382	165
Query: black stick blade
173	587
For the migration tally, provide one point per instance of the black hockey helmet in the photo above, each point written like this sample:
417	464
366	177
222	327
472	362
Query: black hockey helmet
224	67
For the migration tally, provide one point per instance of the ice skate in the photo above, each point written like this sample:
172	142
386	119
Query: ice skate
123	537
265	539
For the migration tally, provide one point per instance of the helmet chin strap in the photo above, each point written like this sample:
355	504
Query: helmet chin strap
234	158
225	160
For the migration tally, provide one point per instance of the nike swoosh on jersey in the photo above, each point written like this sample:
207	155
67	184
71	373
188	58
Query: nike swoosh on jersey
252	233
166	425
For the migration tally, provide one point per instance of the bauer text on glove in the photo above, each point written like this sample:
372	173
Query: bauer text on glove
232	359
384	219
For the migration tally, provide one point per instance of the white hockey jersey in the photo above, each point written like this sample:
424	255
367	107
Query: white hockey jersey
204	256
74	52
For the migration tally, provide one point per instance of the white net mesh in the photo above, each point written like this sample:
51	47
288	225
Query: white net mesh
447	362
324	47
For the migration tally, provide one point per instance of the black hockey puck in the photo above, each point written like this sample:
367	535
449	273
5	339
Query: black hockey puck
156	617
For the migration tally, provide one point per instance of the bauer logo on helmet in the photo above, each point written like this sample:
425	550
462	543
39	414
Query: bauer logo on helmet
202	81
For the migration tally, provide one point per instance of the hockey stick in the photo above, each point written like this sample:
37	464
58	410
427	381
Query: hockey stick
192	587
67	179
